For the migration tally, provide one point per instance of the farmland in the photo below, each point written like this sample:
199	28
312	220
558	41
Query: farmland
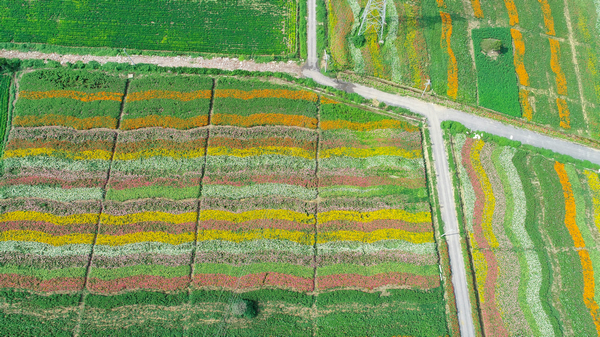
545	71
246	208
222	27
531	221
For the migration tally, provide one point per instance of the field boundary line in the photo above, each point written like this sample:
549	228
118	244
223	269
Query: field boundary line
84	291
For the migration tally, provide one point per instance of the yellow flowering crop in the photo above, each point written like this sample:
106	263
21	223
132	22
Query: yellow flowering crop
119	240
261	150
371	152
159	153
259	234
80	155
279	214
48	217
382	214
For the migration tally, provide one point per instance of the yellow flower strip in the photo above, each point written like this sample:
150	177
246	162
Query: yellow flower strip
374	236
81	155
519	55
594	183
584	256
452	64
490	201
512	12
119	220
77	95
164	121
279	214
326	100
563	113
59	220
384	124
481	268
372	152
166	94
524	100
382	214
259	234
159	153
477	9
266	93
588	287
548	19
35	236
561	80
119	240
261	150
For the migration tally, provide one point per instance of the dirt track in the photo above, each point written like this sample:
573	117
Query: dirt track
178	61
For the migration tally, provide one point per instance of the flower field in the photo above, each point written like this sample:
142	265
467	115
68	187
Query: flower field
546	71
532	227
201	191
262	27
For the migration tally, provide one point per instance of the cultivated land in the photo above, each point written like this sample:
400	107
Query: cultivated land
250	27
306	211
532	228
544	73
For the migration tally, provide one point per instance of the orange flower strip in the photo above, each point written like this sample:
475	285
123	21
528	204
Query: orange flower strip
588	287
513	15
518	57
385	124
477	9
78	95
265	119
164	122
548	20
326	100
74	122
452	65
570	211
266	93
561	80
563	113
440	3
524	100
165	94
584	256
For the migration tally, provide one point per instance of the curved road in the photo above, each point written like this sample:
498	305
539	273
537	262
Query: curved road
435	114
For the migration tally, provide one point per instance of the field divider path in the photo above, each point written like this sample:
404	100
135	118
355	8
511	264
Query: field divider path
88	268
314	307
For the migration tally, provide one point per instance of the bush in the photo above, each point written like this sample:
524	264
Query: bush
359	41
244	308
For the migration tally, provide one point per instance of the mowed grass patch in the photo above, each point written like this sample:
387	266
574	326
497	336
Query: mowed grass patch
497	82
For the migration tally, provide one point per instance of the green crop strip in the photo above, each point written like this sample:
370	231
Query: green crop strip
256	27
4	99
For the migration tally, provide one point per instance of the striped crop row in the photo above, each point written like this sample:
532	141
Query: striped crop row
522	211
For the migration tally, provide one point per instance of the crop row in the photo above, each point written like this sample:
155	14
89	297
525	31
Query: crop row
517	207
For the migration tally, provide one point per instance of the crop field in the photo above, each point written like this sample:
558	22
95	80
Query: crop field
188	205
546	71
533	228
252	27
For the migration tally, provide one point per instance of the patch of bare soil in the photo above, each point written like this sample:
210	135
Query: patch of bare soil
224	63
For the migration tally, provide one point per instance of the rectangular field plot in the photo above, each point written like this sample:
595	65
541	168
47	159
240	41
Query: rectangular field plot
249	27
214	205
532	226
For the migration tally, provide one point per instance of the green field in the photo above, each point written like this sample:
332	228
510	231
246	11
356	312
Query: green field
548	73
254	27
